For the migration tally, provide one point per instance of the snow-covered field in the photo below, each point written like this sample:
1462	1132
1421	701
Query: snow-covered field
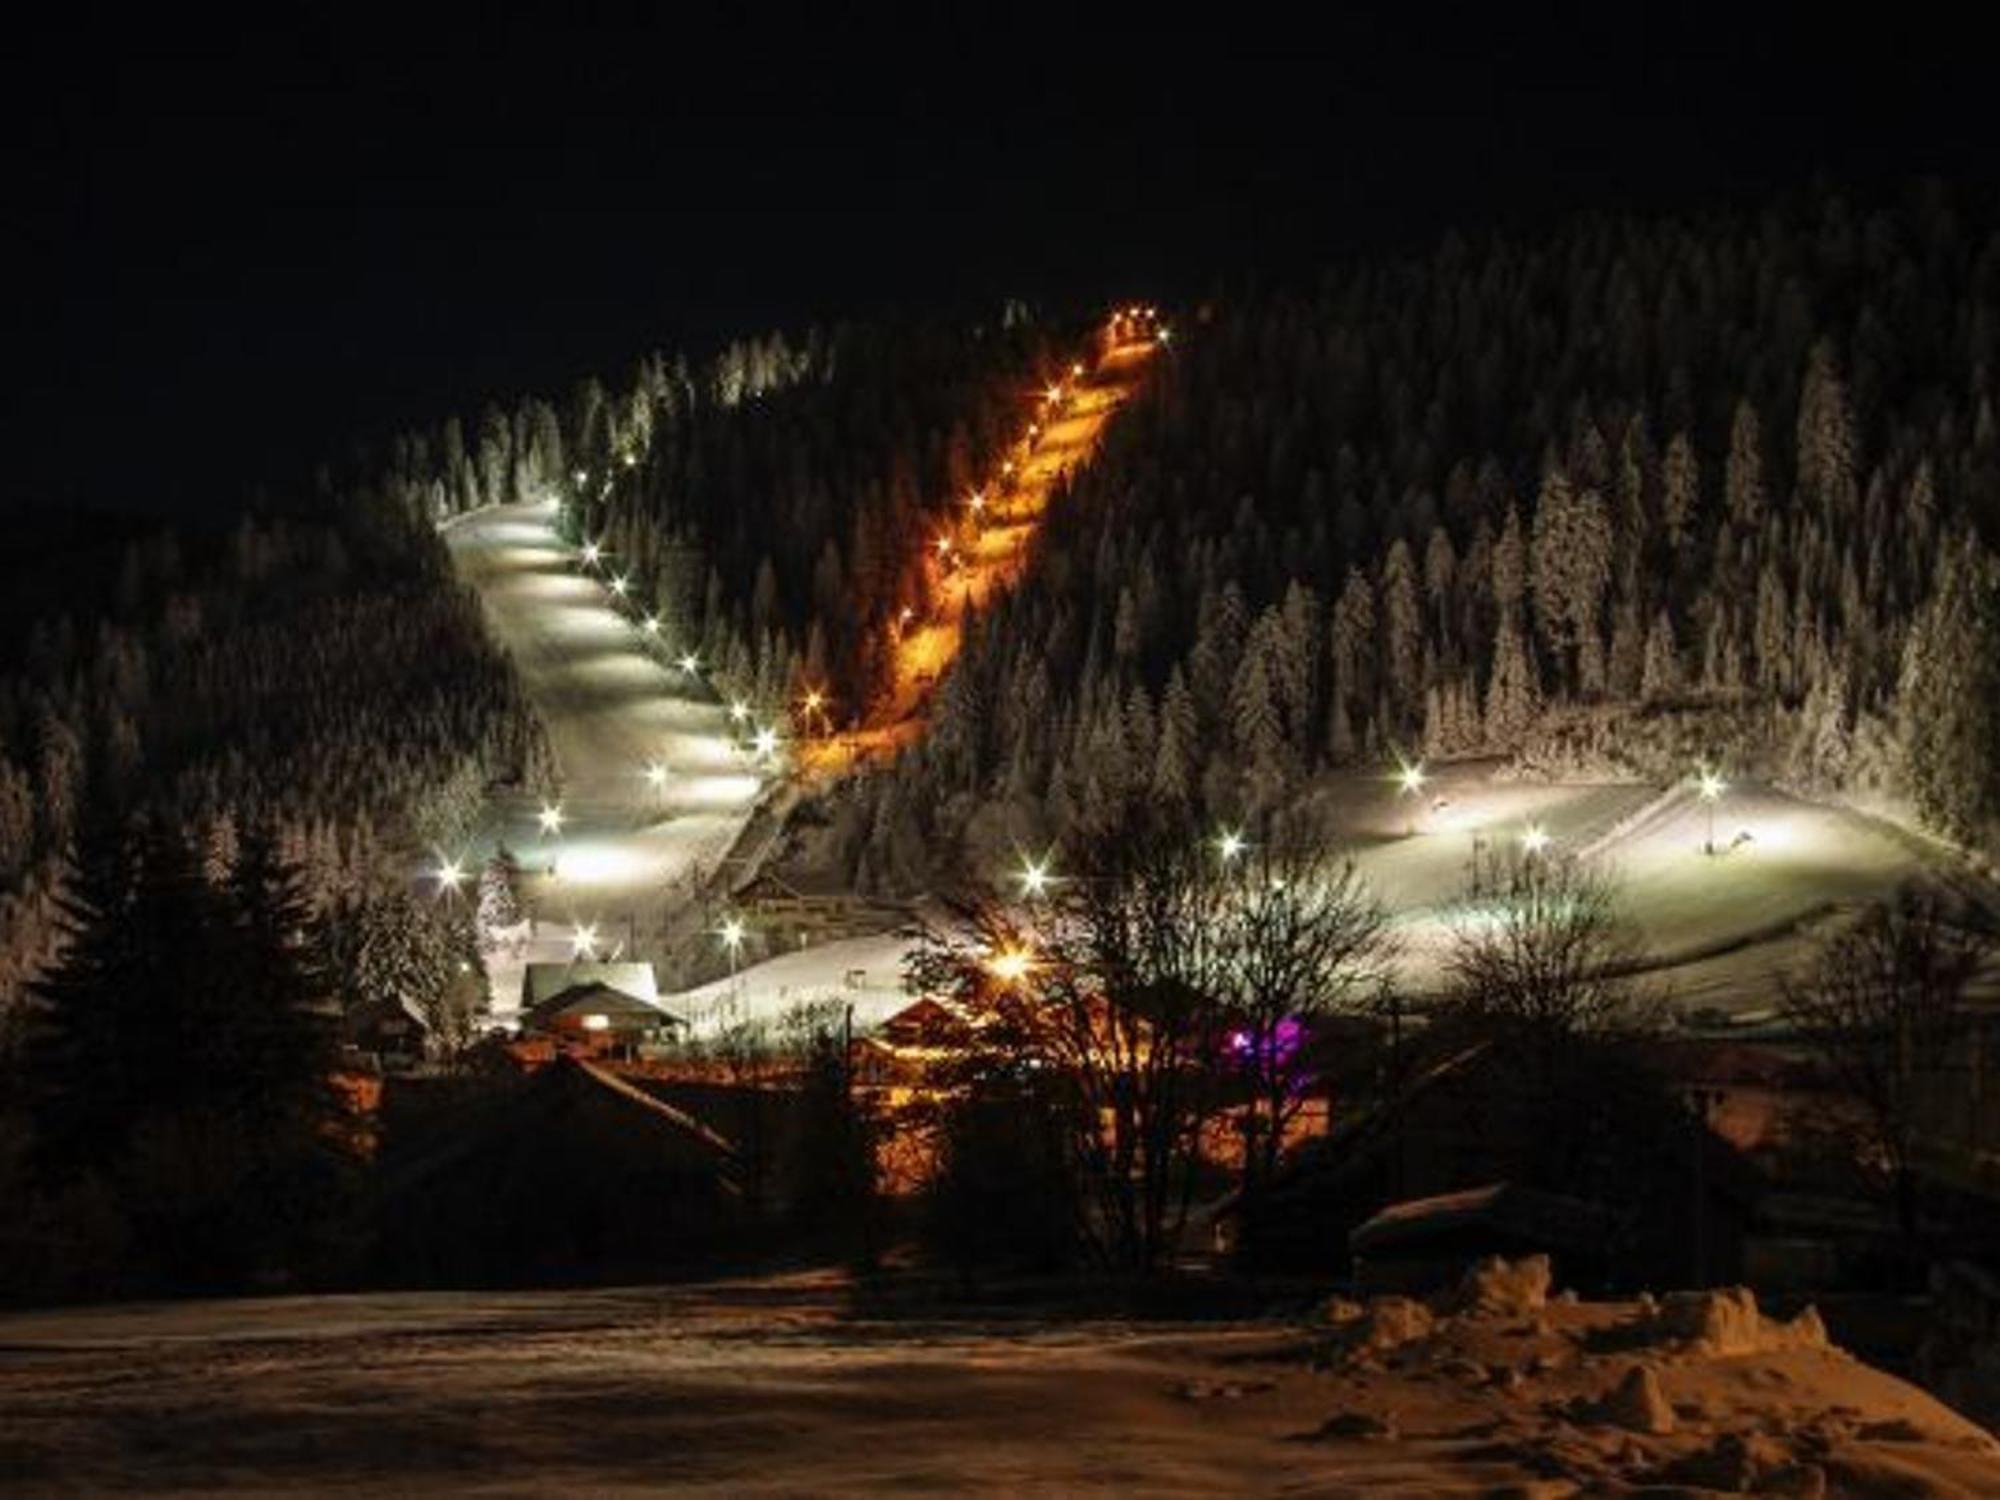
784	1386
1716	927
865	973
614	705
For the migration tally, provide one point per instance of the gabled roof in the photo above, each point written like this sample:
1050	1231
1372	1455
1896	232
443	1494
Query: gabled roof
537	1108
541	981
1550	1218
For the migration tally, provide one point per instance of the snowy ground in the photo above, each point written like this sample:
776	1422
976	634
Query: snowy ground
613	704
1716	930
865	973
781	1387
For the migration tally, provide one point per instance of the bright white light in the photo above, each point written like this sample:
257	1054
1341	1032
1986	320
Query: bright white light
1034	877
450	875
690	664
739	711
1712	786
1534	839
595	1022
551	818
651	625
977	500
583	940
943	545
1230	845
1052	395
620	585
1165	335
591	552
765	743
630	461
583	476
1076	371
731	933
1412	779
656	775
1010	965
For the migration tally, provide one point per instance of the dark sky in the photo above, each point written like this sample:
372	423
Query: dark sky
248	249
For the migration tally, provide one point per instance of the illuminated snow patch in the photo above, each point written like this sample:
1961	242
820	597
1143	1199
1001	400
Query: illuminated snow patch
603	864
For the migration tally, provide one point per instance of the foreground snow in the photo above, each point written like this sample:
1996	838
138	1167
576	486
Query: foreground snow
778	1387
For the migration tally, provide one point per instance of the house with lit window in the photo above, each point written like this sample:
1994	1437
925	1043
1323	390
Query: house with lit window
610	1008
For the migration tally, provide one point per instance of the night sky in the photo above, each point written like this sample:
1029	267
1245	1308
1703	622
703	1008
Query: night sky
247	252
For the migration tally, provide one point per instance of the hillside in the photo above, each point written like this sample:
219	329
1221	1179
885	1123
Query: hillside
1622	498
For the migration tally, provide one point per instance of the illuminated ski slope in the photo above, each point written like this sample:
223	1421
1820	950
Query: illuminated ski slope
616	707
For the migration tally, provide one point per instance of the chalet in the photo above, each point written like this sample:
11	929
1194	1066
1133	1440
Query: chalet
604	1008
567	1173
795	915
392	1034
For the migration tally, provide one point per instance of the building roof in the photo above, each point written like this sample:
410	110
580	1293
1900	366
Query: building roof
537	1108
1503	1207
541	981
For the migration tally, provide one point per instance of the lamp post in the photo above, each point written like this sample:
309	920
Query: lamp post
731	933
1411	782
1711	787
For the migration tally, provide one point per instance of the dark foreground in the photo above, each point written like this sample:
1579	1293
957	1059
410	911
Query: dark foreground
777	1387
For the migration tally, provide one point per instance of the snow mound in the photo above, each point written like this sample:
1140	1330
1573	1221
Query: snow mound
1502	1288
1726	1322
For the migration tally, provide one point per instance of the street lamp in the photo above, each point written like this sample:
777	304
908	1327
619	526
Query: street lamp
1410	781
1711	787
591	552
1034	877
1010	965
739	711
1534	839
689	663
1230	844
582	940
651	625
551	818
620	585
731	933
656	775
450	875
765	743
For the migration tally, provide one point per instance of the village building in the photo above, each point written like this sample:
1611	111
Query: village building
610	1009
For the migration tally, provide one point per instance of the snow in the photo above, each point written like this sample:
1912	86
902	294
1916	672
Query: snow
864	972
613	704
1717	927
788	1385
